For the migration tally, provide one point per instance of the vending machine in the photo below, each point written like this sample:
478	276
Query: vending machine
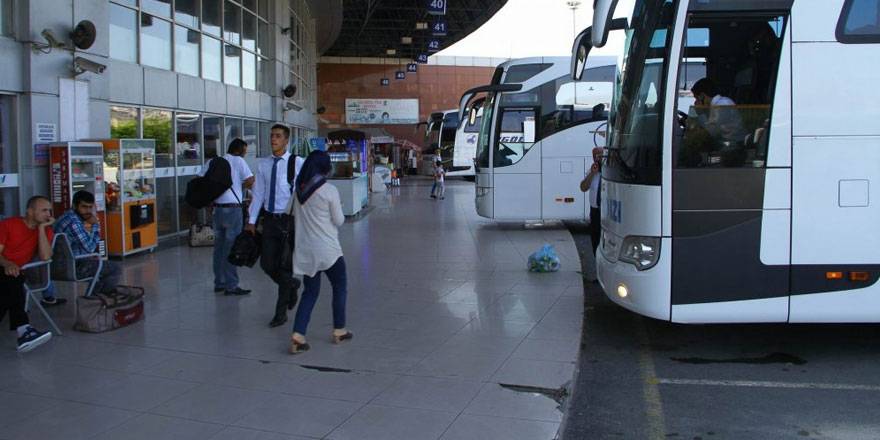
78	166
130	195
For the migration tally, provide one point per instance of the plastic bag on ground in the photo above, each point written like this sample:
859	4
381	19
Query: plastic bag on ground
544	260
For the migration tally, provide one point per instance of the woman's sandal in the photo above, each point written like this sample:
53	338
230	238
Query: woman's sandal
297	348
346	337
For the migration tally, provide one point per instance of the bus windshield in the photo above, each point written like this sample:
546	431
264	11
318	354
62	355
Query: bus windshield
636	117
483	144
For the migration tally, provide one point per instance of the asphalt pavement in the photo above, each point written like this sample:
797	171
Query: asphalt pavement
639	378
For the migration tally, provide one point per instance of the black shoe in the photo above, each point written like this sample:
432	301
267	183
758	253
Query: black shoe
278	320
219	289
52	302
238	291
31	339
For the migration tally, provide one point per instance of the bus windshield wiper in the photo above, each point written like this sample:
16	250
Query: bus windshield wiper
628	173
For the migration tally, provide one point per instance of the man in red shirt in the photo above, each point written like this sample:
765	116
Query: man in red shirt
20	239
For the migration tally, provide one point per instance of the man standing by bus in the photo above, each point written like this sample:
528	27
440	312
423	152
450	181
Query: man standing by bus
592	184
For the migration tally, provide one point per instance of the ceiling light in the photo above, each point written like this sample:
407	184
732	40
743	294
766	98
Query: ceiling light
406	40
421	25
391	52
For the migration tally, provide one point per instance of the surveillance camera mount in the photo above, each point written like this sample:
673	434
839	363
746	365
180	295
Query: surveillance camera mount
52	42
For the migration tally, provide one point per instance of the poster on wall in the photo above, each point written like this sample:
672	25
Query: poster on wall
381	111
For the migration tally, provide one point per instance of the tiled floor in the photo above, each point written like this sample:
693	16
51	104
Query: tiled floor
441	305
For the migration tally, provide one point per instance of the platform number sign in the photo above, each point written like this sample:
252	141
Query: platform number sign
384	82
422	58
437	7
400	74
438	29
433	45
412	67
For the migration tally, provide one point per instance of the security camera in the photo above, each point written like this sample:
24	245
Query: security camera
53	39
81	65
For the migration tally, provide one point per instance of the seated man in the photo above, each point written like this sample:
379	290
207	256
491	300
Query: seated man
20	239
85	241
724	121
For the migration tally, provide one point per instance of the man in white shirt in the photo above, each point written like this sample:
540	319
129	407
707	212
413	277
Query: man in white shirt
724	121
228	217
272	191
591	183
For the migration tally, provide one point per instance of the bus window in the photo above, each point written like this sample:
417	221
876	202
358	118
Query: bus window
565	103
522	72
859	22
512	143
738	59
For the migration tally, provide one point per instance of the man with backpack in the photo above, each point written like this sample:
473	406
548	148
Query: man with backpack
228	211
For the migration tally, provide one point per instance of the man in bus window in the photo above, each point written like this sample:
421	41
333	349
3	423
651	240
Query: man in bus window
723	120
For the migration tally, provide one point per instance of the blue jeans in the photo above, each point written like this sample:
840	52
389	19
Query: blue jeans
227	226
311	288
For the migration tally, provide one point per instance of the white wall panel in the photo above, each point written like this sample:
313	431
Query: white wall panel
215	97
190	93
160	88
126	82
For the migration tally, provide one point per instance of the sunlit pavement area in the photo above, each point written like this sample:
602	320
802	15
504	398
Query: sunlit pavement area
443	312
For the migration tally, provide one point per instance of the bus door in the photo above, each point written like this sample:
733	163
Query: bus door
516	173
731	212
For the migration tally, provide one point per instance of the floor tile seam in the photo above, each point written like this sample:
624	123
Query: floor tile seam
132	414
169	416
220	426
225	384
330	432
55	403
512	418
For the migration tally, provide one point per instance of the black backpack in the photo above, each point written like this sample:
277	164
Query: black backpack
201	191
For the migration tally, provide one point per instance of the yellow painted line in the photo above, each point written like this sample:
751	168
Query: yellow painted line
650	391
769	384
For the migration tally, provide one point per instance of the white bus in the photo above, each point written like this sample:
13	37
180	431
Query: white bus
442	132
536	137
754	211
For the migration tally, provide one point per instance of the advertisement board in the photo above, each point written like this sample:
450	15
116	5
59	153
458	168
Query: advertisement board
381	111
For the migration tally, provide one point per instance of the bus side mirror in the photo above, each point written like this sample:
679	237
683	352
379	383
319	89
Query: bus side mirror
580	52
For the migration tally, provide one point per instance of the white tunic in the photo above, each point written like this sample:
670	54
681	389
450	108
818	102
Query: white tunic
317	231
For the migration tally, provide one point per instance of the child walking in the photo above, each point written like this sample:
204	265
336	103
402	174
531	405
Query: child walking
439	172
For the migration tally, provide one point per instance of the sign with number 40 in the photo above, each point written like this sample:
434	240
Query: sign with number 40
437	7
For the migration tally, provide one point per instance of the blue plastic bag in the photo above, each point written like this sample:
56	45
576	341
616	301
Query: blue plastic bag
544	260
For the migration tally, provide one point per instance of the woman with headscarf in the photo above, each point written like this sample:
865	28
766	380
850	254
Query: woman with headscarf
318	214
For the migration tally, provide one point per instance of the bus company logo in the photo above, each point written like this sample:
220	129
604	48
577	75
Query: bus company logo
472	139
512	139
615	210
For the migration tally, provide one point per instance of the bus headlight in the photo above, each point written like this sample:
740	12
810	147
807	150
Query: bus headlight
642	252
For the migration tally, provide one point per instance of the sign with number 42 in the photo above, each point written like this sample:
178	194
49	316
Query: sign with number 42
433	45
437	7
